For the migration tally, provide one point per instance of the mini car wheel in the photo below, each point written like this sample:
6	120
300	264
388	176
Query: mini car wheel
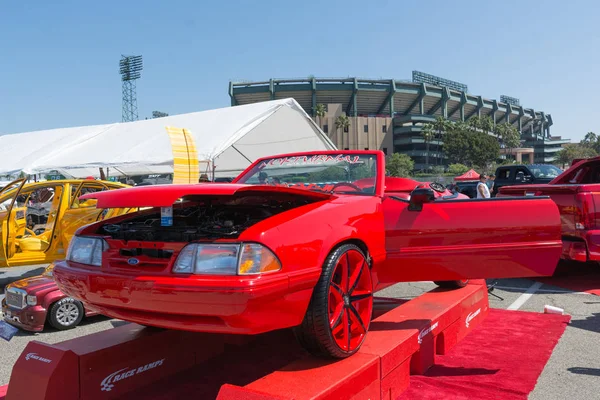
65	314
339	313
452	284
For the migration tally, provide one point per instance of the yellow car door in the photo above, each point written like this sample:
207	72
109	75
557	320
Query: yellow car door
9	223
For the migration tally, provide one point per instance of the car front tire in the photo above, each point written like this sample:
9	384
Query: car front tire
339	314
65	314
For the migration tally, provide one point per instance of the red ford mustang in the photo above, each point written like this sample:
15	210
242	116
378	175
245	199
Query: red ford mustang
297	240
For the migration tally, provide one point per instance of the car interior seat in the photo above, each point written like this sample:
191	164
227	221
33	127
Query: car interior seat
41	242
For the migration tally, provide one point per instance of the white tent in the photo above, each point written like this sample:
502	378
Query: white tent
228	139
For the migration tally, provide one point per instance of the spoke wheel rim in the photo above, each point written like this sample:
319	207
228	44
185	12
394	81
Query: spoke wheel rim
67	314
350	301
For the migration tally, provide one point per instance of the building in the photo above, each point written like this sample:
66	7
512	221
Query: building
388	114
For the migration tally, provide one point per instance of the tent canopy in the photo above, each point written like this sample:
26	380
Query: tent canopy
227	139
470	175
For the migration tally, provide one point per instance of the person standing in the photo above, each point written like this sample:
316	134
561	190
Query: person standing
483	192
490	182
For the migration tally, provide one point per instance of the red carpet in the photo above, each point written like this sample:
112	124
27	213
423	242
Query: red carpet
501	359
579	277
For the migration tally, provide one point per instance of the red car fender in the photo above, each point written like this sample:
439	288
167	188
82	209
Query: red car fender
304	238
53	297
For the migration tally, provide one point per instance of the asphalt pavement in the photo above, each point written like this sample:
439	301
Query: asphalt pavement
572	371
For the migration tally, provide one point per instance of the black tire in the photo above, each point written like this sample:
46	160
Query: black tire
452	284
314	334
65	314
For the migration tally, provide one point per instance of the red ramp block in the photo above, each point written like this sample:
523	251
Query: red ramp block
44	372
407	337
108	364
354	378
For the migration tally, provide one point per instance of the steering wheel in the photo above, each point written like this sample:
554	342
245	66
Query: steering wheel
352	185
438	187
31	233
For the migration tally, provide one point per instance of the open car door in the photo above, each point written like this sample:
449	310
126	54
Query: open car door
437	240
12	219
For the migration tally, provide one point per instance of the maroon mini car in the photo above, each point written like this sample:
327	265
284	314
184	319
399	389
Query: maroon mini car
30	302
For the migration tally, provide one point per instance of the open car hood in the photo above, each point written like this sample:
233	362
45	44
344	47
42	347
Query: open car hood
167	195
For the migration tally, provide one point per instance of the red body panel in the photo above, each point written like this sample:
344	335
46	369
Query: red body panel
450	238
33	318
576	193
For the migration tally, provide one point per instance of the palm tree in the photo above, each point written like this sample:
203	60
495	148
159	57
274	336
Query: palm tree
320	112
428	133
486	124
342	122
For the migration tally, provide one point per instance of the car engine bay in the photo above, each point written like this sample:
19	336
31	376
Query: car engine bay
197	219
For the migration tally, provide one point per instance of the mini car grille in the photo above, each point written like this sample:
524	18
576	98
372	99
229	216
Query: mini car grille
16	298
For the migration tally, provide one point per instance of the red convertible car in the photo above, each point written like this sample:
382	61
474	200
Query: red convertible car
297	240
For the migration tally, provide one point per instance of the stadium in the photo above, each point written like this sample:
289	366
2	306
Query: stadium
388	114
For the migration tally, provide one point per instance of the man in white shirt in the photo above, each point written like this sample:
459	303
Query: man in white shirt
483	192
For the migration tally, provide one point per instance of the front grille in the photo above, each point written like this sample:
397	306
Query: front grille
16	298
152	253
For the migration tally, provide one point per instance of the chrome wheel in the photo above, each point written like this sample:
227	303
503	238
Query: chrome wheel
67	314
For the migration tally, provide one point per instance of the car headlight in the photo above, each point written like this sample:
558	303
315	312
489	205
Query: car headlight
31	300
86	250
226	259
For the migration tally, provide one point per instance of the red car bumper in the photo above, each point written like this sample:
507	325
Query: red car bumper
585	248
30	318
197	303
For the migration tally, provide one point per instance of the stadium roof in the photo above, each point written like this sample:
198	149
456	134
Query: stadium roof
389	97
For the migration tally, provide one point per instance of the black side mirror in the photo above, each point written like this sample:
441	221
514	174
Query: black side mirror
420	196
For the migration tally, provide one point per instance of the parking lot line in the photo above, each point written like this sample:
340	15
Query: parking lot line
522	299
557	291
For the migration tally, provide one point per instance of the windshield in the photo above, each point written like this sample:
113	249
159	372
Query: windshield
339	173
545	171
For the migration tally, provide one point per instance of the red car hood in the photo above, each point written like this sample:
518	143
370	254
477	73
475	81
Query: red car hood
35	284
167	195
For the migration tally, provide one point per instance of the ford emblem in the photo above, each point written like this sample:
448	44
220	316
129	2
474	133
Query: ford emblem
133	261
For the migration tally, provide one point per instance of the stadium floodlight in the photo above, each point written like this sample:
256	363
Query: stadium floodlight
422	77
509	100
130	68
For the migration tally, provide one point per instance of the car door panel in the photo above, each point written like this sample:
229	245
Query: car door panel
459	239
8	221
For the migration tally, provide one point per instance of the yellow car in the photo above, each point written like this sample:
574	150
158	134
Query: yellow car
38	219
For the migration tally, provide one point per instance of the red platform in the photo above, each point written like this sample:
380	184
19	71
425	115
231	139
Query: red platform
134	362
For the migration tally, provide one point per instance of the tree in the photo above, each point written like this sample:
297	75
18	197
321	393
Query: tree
509	135
484	148
441	125
591	141
457	169
320	112
484	124
342	122
399	165
456	146
465	145
428	133
573	151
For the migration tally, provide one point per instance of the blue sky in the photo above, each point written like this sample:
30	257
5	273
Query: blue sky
59	59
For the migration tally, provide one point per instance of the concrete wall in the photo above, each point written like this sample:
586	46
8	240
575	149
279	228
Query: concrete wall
378	135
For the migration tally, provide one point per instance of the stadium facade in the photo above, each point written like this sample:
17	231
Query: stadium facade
389	114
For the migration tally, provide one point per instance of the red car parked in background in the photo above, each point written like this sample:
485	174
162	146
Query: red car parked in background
30	302
576	192
298	240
